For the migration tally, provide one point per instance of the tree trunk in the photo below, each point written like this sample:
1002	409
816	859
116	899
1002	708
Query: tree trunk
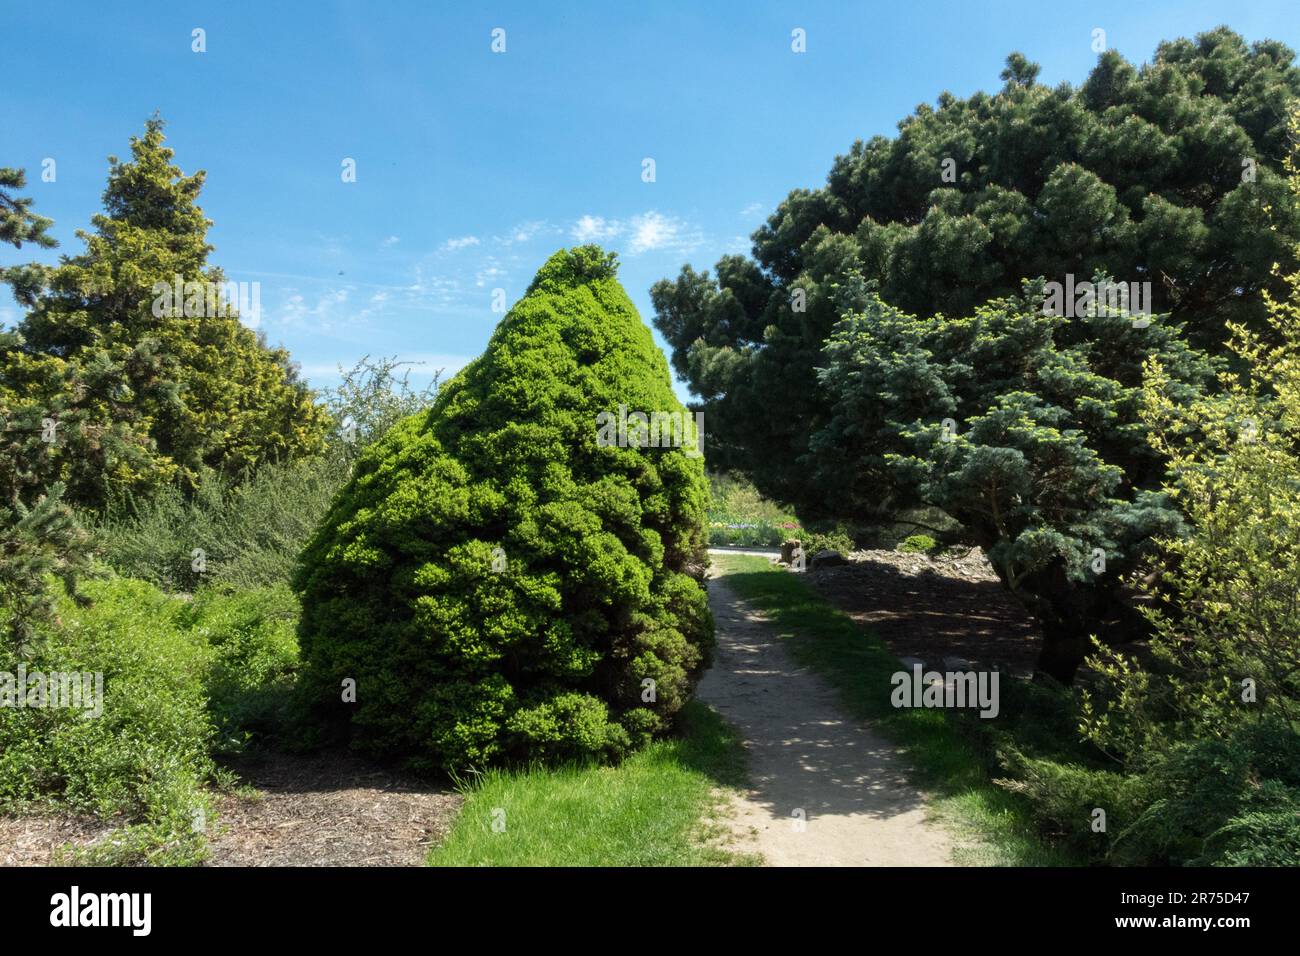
1064	648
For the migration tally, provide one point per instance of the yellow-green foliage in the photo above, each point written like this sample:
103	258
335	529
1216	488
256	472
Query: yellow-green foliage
145	389
1227	627
146	754
596	586
178	679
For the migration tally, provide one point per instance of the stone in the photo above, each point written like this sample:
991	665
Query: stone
827	559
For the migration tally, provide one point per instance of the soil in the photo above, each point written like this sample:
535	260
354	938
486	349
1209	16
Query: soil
332	809
934	608
329	810
33	840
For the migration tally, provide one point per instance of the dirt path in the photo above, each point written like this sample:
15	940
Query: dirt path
807	757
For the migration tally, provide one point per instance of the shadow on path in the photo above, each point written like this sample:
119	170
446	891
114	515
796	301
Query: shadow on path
825	790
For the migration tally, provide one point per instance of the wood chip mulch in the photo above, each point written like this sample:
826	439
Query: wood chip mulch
934	608
329	810
33	840
332	809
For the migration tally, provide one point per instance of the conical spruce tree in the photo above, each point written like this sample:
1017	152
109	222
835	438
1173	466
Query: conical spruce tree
134	350
504	578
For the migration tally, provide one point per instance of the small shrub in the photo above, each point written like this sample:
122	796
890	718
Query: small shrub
249	533
1207	798
146	756
1265	838
918	544
1208	802
1063	798
254	646
834	540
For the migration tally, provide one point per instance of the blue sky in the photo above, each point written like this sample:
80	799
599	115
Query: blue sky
472	167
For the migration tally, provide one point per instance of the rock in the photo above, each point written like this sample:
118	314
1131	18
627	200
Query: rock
828	559
787	549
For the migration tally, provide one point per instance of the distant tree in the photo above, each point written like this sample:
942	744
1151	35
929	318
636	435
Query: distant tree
1169	173
158	387
18	224
1024	427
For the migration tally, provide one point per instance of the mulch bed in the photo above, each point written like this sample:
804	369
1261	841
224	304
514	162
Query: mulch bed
33	840
932	608
329	810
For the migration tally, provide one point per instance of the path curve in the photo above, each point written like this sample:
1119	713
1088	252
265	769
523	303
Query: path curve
807	756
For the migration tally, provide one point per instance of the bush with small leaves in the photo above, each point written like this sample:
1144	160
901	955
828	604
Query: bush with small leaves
499	582
918	544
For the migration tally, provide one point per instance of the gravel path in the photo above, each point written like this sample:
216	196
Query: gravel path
826	790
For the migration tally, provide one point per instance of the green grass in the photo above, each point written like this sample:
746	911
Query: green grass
948	763
657	808
740	517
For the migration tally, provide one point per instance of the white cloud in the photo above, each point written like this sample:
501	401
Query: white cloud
391	241
488	272
464	242
326	315
644	233
653	231
525	232
752	210
593	228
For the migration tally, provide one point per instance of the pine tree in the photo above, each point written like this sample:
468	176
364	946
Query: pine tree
18	224
163	387
1169	174
42	539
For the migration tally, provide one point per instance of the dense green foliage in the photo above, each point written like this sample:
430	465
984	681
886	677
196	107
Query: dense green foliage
252	636
1216	801
146	389
147	756
597	551
232	534
250	532
1169	174
179	680
1043	458
1205	730
38	543
40	535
